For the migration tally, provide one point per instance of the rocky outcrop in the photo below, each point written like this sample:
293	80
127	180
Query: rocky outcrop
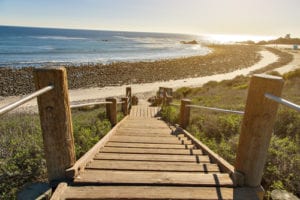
189	42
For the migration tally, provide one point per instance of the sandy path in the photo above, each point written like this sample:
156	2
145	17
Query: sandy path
146	90
295	64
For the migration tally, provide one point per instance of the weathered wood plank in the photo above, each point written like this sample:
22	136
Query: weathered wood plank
143	134
154	178
154	140
159	192
153	157
142	145
151	151
59	191
153	166
144	130
224	165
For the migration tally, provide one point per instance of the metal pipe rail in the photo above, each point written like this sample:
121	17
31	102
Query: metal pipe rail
25	99
283	101
90	104
217	109
174	104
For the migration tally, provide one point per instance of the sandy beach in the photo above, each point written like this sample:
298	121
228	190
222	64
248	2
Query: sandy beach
145	90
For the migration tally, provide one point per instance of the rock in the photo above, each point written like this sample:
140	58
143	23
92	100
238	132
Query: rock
282	195
189	42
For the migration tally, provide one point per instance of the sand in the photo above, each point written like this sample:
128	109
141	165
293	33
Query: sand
295	64
143	91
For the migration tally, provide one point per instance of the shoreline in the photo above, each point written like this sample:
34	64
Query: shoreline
225	58
145	90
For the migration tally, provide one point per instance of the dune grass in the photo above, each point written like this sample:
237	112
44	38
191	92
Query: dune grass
221	131
21	147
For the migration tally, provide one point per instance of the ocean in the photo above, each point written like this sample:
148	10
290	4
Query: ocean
37	47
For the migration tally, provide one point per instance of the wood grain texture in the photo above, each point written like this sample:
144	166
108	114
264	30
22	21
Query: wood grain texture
143	160
151	151
142	145
184	115
161	192
56	121
152	140
153	157
153	166
154	178
257	127
81	163
111	110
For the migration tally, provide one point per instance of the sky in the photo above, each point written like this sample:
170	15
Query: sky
229	17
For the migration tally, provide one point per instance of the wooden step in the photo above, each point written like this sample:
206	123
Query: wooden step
143	133
153	157
153	178
151	140
153	166
142	145
158	192
152	151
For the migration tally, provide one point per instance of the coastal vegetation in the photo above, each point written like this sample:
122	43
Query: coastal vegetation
21	150
221	131
287	39
21	146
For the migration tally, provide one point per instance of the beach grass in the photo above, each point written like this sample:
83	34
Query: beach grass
221	131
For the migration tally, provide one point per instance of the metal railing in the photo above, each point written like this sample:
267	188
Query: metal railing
90	104
283	101
25	99
216	109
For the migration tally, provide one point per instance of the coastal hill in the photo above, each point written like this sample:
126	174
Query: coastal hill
287	39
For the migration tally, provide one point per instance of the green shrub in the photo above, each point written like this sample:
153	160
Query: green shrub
21	146
283	165
170	114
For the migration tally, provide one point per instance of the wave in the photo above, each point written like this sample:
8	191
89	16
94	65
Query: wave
58	38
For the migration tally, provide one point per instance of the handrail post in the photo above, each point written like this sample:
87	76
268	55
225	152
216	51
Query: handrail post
56	122
128	94
125	105
111	110
184	114
256	129
169	95
164	102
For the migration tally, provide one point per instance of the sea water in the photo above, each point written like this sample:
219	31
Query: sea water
25	46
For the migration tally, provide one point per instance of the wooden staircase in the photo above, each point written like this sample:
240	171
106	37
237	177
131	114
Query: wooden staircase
145	159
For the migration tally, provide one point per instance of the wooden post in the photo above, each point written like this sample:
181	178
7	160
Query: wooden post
184	114
257	128
169	95
164	96
128	94
56	122
111	110
125	105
